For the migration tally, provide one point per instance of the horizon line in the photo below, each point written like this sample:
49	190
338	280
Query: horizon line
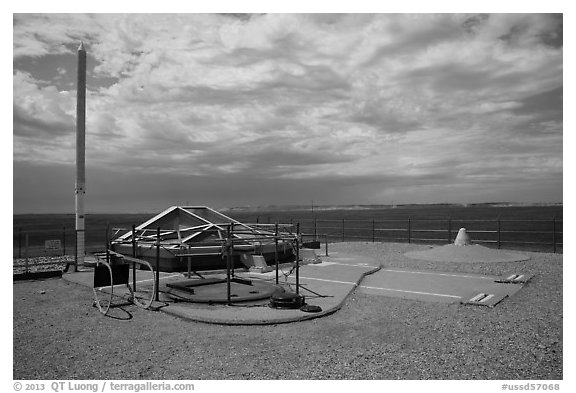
310	206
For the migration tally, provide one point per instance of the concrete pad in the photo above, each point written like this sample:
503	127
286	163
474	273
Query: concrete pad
433	286
327	285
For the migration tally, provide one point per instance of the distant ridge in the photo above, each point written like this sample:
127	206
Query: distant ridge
271	208
307	208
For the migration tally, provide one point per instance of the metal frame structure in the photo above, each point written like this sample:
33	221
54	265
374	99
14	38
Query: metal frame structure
185	233
228	243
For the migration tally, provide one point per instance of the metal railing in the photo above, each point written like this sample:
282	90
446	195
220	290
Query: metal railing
32	242
542	235
537	235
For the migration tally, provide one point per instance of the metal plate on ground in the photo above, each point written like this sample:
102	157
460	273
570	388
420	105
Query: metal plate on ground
484	299
215	290
521	278
185	285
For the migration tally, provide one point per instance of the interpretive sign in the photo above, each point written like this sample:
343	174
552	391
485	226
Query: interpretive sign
53	246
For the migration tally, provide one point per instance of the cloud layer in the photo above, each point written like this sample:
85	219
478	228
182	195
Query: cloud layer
398	103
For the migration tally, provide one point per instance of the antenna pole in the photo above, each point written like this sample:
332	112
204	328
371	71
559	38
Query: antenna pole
80	189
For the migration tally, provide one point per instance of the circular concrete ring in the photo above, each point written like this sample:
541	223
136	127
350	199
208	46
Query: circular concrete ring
218	292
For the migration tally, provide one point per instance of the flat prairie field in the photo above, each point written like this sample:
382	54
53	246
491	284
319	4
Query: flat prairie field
58	334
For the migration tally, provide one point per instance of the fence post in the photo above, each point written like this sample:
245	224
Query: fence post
19	242
449	230
298	258
315	231
232	249
276	250
409	231
228	263
75	269
554	233
26	239
107	243
134	256
342	230
499	233
64	240
157	294
373	232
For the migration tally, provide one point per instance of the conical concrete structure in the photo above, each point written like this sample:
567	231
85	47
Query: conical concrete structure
462	239
462	250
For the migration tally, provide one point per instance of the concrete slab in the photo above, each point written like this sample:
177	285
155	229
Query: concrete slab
433	286
326	285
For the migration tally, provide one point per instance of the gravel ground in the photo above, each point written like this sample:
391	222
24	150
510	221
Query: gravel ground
41	264
59	335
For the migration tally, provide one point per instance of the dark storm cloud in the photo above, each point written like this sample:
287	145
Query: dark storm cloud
26	126
548	104
349	107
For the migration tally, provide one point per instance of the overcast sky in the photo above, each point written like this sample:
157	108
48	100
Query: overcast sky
238	110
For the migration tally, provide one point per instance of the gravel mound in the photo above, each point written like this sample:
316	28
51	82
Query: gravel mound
467	254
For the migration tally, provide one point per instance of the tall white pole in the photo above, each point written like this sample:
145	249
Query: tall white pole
80	190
